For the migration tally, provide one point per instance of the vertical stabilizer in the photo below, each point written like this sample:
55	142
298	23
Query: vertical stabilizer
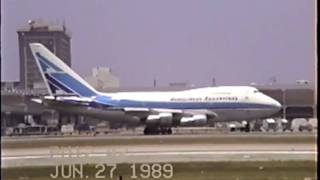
59	78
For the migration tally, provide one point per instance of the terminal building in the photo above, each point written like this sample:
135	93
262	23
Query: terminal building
298	101
55	37
102	79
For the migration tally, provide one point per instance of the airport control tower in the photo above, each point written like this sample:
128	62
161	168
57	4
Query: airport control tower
55	37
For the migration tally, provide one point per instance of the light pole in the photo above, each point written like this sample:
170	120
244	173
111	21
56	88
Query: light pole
284	105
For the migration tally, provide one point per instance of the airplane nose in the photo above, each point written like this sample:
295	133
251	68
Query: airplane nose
276	104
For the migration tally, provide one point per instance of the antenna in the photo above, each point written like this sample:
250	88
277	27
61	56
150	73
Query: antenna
154	82
273	80
213	81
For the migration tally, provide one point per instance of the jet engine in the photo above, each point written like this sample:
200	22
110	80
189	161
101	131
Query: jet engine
162	119
195	120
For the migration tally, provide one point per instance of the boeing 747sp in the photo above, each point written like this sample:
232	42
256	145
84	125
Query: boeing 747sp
158	111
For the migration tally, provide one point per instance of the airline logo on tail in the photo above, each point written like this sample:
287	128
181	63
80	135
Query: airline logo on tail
59	78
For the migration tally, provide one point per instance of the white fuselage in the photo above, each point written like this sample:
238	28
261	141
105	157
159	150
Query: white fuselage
229	102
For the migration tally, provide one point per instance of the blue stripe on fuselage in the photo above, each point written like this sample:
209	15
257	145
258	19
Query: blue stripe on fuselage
186	105
191	105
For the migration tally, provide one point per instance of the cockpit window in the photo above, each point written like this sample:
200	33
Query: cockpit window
255	91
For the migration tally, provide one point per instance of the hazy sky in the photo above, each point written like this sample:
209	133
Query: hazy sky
235	41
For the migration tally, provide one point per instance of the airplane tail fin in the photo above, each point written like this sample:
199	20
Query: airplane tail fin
58	77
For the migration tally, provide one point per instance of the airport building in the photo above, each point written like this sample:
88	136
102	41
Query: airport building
102	78
298	100
55	37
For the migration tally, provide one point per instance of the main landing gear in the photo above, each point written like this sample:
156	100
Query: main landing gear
245	128
157	130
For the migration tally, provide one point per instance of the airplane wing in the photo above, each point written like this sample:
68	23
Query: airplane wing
186	113
71	100
178	116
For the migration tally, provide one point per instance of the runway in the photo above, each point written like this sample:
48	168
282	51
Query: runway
185	150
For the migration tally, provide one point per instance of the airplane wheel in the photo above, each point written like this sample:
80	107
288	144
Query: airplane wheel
156	130
152	131
163	131
247	128
146	131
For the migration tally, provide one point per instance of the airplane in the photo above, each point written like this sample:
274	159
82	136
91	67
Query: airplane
157	111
